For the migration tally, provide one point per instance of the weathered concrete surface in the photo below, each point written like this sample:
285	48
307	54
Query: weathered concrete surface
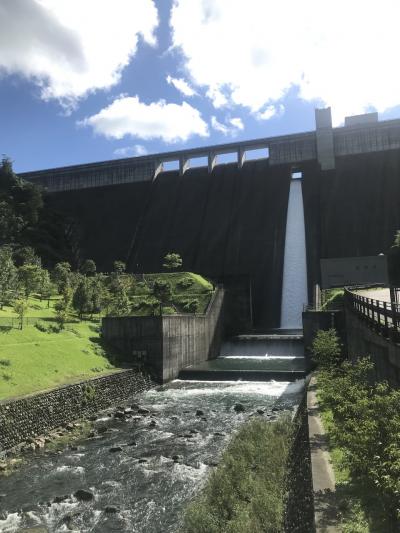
382	294
166	344
323	477
362	341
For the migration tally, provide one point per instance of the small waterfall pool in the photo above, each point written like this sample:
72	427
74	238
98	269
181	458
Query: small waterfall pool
164	457
294	286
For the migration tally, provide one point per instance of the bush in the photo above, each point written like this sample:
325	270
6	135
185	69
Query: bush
326	349
185	283
366	426
5	362
41	326
246	494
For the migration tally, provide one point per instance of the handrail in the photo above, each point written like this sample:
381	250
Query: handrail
381	316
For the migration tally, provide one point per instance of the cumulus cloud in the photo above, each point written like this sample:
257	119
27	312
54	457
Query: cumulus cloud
235	125
71	47
181	85
127	151
130	116
339	53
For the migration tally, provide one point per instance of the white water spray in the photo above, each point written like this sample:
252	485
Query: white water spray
294	287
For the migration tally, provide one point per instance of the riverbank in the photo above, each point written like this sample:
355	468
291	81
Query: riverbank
146	463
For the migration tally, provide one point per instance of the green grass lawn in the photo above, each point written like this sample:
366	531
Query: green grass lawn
33	360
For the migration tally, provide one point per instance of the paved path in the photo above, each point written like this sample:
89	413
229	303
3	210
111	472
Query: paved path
377	294
323	477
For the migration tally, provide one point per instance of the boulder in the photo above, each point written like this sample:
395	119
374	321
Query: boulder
116	449
143	411
199	412
239	408
111	509
83	495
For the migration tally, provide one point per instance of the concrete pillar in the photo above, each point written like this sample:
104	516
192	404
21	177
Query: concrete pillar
324	135
212	161
184	165
241	156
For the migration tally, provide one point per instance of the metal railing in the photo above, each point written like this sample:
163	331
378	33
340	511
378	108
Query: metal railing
383	317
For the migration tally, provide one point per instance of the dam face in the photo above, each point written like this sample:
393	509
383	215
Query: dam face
229	221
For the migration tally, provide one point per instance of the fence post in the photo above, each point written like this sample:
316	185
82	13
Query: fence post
386	319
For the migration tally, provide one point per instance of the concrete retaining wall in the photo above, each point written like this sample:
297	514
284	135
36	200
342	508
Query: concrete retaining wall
37	414
166	344
362	340
299	513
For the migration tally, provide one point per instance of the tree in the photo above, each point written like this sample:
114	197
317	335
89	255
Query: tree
29	277
121	304
172	261
61	276
88	268
45	286
326	350
61	308
8	274
81	298
162	291
21	307
119	267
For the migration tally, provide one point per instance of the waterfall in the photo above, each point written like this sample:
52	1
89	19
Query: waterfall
294	287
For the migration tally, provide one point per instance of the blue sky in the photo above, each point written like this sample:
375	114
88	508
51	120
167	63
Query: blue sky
91	80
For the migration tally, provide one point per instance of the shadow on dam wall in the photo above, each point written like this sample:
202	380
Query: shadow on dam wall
232	221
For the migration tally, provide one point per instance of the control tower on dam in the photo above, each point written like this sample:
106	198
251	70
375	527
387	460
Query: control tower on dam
228	221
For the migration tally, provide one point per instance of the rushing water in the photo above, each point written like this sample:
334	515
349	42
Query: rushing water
145	483
294	287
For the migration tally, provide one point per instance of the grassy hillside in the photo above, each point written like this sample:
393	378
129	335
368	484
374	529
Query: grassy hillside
40	356
34	359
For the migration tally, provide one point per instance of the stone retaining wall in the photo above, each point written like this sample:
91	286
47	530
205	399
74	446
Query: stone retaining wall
37	414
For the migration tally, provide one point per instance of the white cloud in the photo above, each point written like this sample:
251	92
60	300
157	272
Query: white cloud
71	47
127	151
339	53
271	111
129	116
181	85
235	125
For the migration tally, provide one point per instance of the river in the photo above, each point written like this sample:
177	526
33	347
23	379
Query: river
161	459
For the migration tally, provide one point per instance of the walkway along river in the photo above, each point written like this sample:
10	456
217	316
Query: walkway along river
143	468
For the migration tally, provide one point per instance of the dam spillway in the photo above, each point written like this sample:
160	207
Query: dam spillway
294	285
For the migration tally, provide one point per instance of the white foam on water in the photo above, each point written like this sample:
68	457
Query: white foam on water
263	357
11	523
263	388
70	469
294	286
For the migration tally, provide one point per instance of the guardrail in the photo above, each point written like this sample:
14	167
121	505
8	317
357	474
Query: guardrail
382	317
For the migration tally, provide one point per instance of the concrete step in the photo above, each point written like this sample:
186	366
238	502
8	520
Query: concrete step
192	373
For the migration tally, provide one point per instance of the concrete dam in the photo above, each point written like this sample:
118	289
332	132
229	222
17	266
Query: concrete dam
228	221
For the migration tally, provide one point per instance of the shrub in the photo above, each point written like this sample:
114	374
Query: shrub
326	350
5	362
41	326
185	283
